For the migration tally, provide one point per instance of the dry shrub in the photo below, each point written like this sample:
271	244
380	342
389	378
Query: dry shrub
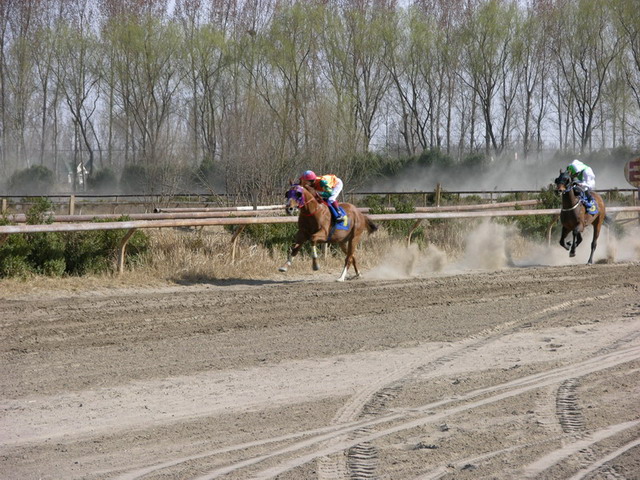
202	254
193	255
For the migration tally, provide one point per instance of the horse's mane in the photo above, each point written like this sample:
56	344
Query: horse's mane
307	186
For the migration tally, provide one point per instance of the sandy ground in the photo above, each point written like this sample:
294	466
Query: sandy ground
529	372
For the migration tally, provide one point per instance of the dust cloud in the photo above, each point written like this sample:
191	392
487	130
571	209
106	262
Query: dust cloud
493	246
500	175
401	262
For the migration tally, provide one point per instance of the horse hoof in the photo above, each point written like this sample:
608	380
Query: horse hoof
316	268
572	254
282	269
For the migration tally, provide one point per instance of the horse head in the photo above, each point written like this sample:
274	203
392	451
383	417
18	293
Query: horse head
295	199
563	182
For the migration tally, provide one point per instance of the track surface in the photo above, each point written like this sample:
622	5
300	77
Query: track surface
520	373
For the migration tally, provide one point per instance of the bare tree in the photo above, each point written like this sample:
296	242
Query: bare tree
627	18
77	73
585	47
489	69
18	85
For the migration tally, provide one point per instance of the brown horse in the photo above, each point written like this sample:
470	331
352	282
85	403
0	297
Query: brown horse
574	216
315	225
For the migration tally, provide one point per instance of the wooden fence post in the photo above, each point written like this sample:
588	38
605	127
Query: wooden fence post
72	205
4	206
438	194
234	242
122	250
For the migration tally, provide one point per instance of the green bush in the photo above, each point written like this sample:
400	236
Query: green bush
96	251
12	265
402	204
40	212
474	162
68	253
435	158
536	226
103	181
33	179
134	179
209	174
55	267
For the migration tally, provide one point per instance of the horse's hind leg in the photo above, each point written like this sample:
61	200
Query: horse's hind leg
349	250
353	245
348	259
594	242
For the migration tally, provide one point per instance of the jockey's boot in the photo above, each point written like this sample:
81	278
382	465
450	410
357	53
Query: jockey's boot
590	201
336	210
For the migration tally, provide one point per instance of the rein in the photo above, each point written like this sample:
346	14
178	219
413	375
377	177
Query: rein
572	208
302	203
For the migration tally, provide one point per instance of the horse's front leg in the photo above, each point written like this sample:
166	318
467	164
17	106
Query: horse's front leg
318	237
314	256
577	238
565	232
578	234
293	251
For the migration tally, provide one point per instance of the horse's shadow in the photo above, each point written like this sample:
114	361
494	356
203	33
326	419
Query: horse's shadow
190	281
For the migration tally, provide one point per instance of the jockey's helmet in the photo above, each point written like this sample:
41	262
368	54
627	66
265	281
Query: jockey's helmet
309	175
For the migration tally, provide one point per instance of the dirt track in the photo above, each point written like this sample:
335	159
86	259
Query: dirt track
520	373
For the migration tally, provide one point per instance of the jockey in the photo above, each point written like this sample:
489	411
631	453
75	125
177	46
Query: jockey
582	175
328	187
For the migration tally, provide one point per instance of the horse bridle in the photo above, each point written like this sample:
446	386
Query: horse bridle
572	208
566	190
301	201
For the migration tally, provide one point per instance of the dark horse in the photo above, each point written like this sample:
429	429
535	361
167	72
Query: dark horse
314	225
574	216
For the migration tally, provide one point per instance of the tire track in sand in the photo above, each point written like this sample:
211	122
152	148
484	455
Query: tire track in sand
342	431
429	414
313	445
360	461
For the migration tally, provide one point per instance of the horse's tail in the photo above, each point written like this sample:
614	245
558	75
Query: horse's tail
371	227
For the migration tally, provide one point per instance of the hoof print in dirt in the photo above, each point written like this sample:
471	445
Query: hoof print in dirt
425	446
